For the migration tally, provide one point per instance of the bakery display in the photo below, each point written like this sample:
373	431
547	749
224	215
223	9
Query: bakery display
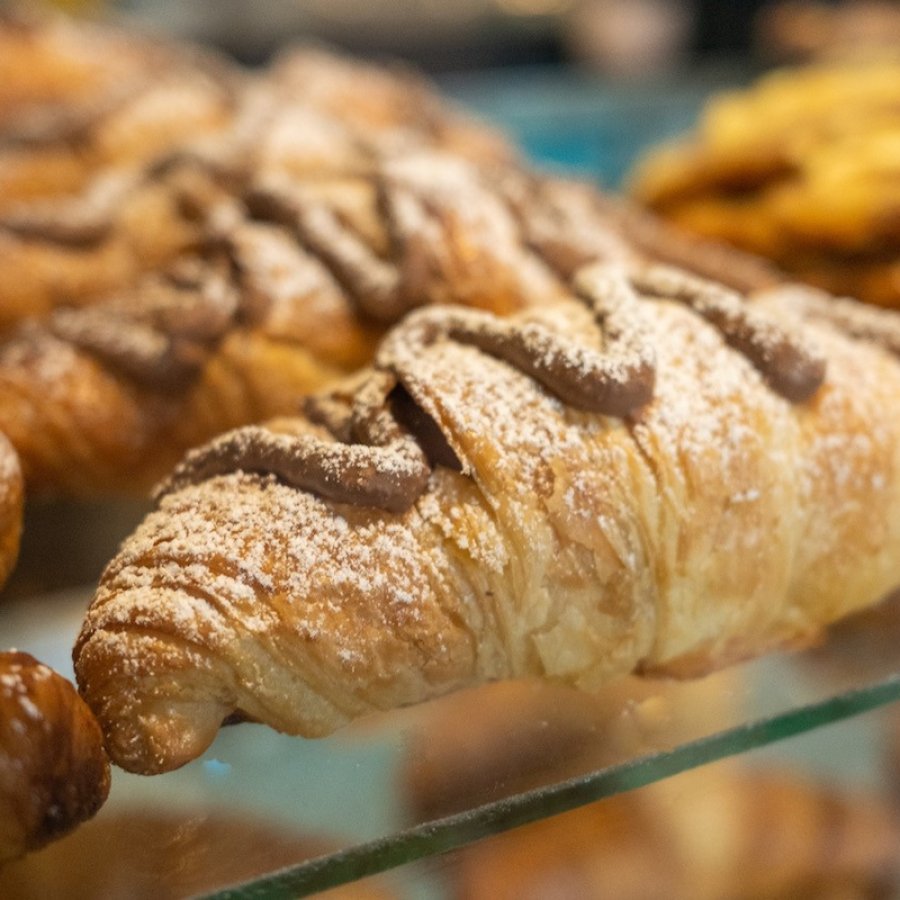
455	517
54	773
545	433
801	169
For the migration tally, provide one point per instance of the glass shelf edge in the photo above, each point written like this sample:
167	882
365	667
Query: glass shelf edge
454	831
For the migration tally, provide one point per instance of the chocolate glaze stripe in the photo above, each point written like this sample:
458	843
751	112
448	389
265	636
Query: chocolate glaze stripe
373	460
372	283
163	341
793	369
387	470
614	381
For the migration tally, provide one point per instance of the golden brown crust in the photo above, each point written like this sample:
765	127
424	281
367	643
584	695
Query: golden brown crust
11	503
54	772
716	522
78	100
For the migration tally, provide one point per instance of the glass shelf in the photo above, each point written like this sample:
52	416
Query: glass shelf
407	785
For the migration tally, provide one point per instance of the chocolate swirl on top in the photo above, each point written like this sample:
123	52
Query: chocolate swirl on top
372	459
614	381
77	222
384	466
372	283
161	336
791	368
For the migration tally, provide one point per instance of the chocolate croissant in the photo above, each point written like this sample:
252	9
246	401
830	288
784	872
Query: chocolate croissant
133	198
651	476
290	286
54	772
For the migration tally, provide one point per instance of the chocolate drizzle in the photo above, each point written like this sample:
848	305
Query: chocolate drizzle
791	368
559	222
78	222
384	466
160	336
614	381
369	281
382	444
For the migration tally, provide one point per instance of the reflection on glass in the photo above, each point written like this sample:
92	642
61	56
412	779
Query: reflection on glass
405	785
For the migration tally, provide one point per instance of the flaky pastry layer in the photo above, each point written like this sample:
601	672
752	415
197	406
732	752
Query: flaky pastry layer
712	523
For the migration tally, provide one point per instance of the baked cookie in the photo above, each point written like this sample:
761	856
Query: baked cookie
801	169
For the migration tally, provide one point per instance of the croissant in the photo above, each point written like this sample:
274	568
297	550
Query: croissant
136	202
650	475
54	772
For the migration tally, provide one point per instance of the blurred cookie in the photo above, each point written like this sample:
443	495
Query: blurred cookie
803	169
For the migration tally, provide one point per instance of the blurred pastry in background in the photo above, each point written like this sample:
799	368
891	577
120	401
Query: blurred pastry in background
54	773
134	212
77	100
73	251
491	742
396	101
801	30
802	168
721	832
143	854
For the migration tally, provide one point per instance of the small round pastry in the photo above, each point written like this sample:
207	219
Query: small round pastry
11	501
54	772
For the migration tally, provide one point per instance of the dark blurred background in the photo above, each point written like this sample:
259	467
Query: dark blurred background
583	84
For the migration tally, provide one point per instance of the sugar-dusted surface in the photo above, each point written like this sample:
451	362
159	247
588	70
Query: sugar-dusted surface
716	522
